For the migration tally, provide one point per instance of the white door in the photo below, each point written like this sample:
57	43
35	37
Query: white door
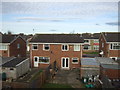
36	61
65	63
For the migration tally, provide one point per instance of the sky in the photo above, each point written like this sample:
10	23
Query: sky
59	17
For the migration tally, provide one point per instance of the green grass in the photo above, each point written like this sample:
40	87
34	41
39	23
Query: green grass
90	52
51	85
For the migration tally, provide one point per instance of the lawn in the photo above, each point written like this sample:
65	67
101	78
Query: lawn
51	85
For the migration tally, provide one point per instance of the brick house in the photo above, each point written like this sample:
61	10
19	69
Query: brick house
91	42
65	49
110	44
12	45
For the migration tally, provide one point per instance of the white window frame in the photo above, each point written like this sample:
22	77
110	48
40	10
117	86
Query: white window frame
44	47
77	46
88	41
113	45
96	40
34	45
44	62
64	46
114	57
2	45
18	46
65	62
96	47
75	62
89	48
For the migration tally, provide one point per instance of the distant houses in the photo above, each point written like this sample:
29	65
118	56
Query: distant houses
91	42
110	45
12	45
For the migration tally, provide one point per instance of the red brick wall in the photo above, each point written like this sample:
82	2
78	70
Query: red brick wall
114	53
111	73
4	53
56	54
105	48
21	51
107	51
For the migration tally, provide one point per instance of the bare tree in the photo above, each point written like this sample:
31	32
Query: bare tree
9	32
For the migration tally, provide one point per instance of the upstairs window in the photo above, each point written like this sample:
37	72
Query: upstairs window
86	41
87	47
65	47
96	41
96	47
3	47
115	46
46	47
18	46
76	47
34	47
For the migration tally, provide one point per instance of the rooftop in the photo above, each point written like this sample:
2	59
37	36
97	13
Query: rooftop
13	62
89	61
110	66
57	38
104	60
5	59
112	36
8	38
91	36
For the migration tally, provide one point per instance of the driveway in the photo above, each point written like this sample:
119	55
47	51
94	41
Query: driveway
70	77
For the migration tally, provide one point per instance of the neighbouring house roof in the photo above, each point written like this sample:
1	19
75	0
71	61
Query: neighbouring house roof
105	60
91	36
8	38
57	38
14	62
89	61
110	66
112	36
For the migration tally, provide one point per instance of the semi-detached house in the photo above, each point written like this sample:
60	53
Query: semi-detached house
12	45
110	44
65	49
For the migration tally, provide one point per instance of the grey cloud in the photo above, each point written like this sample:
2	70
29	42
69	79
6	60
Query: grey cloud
113	23
58	9
22	19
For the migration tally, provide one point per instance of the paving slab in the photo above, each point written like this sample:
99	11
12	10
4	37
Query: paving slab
70	77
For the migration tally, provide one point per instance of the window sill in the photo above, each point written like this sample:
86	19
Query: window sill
44	63
74	63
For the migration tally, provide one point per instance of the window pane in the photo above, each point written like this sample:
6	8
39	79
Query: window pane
44	59
46	47
75	60
65	47
36	59
35	46
66	62
63	61
3	47
111	46
76	47
62	47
